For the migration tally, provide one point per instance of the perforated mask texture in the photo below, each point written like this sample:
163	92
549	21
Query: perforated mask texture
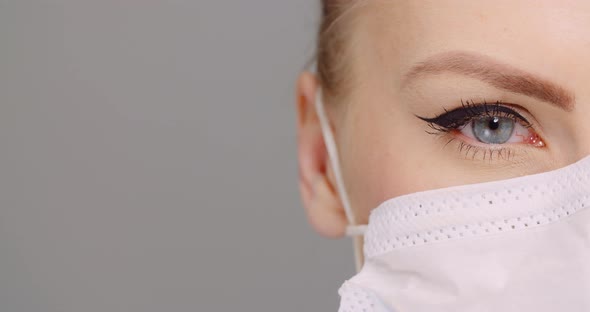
463	216
479	209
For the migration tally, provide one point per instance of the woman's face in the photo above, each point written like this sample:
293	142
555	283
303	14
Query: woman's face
449	93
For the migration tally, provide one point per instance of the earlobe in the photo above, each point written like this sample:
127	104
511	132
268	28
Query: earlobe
325	212
320	199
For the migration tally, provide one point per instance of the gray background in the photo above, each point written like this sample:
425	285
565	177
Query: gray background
148	158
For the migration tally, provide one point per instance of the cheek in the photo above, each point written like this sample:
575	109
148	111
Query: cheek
386	155
383	156
389	175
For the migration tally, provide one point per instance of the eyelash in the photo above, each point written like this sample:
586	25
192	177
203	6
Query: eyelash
454	120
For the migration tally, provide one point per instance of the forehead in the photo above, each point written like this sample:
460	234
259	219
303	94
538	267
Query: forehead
548	37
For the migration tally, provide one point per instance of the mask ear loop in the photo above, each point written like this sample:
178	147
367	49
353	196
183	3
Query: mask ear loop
353	230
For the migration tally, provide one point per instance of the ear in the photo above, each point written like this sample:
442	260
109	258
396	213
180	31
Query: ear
318	192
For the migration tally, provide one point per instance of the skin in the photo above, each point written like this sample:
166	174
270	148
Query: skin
385	150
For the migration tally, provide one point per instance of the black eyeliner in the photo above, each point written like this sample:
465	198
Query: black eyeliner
459	117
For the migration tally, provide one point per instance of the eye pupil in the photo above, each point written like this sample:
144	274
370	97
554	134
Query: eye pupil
494	123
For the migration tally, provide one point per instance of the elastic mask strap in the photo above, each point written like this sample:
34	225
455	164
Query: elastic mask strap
356	230
353	229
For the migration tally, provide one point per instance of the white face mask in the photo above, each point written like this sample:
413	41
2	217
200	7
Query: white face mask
516	245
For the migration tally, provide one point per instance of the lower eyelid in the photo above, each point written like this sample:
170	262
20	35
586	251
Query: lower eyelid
485	153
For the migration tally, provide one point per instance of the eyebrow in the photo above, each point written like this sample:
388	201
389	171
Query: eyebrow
499	75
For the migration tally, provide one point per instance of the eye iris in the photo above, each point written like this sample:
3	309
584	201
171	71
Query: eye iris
493	130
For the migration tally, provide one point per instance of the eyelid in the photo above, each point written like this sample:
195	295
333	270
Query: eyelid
458	117
523	111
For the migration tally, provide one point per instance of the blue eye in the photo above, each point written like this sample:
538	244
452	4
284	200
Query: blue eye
494	124
493	130
496	130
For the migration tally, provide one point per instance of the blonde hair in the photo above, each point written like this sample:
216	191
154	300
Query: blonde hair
332	44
